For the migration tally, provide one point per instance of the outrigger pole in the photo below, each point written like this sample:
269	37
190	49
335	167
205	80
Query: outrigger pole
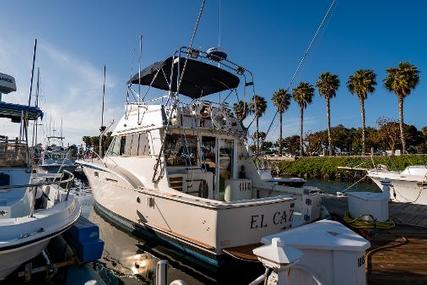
36	104
102	128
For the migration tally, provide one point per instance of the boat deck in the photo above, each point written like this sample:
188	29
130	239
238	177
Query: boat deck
398	256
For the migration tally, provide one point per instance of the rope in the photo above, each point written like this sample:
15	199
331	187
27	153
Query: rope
367	222
355	183
302	59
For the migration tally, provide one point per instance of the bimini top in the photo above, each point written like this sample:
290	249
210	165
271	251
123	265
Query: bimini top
200	78
15	111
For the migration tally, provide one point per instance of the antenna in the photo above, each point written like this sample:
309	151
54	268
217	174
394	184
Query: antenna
32	72
102	128
141	38
219	23
103	99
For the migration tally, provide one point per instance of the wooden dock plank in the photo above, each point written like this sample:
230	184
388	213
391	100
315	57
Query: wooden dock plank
400	254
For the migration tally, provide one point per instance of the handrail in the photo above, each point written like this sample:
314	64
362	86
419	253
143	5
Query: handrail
67	181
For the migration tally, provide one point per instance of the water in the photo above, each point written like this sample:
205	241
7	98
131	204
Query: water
333	187
131	260
127	258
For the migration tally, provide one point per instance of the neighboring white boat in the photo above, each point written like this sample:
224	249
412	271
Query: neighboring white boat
408	186
178	168
265	174
33	210
56	158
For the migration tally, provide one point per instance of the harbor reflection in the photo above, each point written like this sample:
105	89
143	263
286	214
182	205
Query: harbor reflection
128	259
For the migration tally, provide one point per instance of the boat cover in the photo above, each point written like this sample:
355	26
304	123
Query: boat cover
200	78
15	111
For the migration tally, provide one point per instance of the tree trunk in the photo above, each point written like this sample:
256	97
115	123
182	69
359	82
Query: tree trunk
328	118
257	135
402	133
362	112
301	143
281	135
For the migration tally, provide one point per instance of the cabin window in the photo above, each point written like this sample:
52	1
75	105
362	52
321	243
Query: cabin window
130	145
114	148
180	150
134	145
208	153
144	145
122	145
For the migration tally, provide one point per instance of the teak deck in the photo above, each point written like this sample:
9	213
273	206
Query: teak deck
397	256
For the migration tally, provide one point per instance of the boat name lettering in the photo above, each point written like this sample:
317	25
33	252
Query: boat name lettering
278	218
257	221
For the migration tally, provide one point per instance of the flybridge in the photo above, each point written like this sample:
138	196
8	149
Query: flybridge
7	83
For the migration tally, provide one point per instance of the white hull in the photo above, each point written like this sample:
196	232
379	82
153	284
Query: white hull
21	239
10	260
208	225
403	190
408	186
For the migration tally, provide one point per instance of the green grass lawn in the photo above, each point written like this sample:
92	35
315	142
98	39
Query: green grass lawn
327	166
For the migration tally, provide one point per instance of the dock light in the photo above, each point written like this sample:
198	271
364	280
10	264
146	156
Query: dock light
277	255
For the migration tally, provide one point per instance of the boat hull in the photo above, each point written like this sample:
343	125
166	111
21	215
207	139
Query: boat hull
192	253
203	228
24	238
403	191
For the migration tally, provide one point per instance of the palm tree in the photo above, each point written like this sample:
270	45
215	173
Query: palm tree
281	100
401	80
258	106
328	84
241	110
361	83
303	95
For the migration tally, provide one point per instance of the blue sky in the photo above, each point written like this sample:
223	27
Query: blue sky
76	38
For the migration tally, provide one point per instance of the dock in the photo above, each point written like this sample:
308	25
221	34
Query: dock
399	255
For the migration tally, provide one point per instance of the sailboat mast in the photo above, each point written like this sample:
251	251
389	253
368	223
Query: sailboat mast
36	104
32	72
60	135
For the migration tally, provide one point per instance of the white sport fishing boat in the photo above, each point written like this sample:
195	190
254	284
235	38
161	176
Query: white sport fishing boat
55	157
178	168
32	209
407	186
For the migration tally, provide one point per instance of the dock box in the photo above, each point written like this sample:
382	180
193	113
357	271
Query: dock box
83	236
84	230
